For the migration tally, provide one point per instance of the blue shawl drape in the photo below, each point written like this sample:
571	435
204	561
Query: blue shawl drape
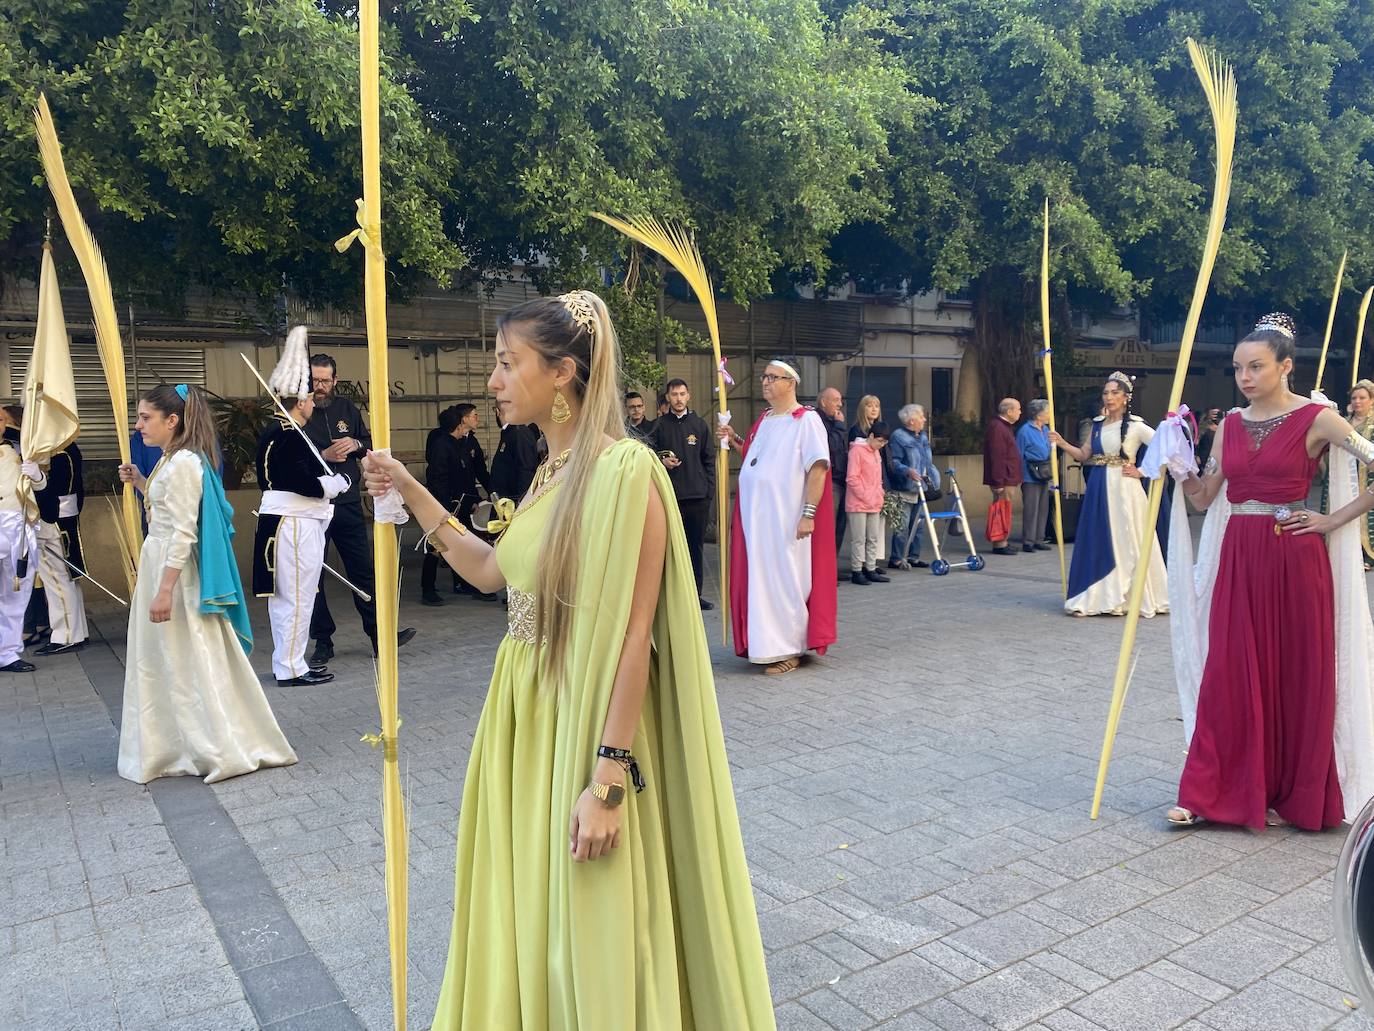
221	589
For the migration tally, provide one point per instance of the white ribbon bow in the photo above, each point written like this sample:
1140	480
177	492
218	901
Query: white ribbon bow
1172	448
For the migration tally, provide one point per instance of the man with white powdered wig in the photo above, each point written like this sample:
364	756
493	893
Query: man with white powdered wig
288	551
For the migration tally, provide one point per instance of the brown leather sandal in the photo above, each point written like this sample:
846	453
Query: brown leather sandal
782	666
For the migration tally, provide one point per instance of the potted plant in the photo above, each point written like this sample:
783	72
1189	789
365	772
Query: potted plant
240	422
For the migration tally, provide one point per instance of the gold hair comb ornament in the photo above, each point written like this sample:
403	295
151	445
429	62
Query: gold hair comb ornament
581	310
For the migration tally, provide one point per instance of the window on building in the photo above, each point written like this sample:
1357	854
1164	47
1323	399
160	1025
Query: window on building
888	385
941	389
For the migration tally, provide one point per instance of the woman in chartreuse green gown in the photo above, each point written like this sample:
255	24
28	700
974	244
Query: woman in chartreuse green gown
582	903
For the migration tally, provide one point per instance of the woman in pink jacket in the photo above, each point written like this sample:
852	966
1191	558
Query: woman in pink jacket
863	504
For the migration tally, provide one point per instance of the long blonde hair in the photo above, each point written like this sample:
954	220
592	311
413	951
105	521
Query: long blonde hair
549	327
861	416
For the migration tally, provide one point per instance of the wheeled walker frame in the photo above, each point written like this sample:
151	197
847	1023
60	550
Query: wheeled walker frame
940	566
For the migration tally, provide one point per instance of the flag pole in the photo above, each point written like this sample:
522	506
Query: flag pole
1049	396
1219	83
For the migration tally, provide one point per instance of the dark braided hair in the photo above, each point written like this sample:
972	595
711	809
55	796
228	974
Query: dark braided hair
1126	416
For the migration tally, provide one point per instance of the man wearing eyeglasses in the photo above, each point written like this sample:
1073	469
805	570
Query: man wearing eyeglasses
782	550
337	430
639	427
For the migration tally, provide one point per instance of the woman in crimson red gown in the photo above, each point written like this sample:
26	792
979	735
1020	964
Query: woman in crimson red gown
1264	742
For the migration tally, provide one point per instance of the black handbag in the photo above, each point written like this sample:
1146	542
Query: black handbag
1041	472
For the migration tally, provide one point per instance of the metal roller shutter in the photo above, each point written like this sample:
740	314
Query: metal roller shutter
161	364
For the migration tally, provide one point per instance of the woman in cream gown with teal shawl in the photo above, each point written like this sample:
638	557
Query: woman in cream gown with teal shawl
660	931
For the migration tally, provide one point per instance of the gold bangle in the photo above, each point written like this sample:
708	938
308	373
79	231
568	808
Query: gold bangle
434	544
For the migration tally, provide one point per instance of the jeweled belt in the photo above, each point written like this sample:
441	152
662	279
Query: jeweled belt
1107	460
1265	508
520	615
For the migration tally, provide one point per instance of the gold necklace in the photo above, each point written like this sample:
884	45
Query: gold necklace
547	469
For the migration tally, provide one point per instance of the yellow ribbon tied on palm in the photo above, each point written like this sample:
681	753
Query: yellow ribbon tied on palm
380	739
360	234
503	511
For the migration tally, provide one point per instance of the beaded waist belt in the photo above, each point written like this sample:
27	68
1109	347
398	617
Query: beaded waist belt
1266	509
1106	460
520	615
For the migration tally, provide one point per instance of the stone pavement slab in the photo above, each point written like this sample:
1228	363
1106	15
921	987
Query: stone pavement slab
914	808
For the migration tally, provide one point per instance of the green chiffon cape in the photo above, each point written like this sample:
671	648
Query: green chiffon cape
662	934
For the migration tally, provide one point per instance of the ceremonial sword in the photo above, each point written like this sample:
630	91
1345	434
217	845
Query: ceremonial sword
83	573
339	577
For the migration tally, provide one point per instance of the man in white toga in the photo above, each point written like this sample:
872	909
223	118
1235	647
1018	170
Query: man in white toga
782	554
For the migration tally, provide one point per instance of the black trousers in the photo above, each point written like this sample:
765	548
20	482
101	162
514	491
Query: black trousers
694	516
347	531
839	490
429	569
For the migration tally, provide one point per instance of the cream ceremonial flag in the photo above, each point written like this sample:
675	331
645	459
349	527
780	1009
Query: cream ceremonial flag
384	547
50	421
107	338
1219	83
679	247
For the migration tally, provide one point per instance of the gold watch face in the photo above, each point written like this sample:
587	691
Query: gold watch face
611	794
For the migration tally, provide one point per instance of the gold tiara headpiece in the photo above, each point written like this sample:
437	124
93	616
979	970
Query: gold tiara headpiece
580	308
1127	382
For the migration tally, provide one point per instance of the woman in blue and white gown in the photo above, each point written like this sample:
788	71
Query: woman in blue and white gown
1115	508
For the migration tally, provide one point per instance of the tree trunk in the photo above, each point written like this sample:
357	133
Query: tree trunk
968	395
1003	340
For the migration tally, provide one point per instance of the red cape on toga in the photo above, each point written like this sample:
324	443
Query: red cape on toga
822	604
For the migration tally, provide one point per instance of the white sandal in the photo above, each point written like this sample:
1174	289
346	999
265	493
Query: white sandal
1180	817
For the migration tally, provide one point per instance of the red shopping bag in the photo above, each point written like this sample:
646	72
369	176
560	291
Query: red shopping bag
999	520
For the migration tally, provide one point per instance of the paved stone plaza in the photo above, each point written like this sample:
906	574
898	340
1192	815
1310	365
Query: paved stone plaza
915	809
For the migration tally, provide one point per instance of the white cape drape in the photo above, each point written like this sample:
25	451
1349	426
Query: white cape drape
1191	583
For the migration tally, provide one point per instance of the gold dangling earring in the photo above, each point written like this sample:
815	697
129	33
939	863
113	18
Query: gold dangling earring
562	411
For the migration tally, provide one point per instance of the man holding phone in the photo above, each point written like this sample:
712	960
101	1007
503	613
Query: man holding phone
337	430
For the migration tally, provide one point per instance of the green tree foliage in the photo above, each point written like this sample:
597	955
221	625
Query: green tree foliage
1095	103
761	123
219	142
215	143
